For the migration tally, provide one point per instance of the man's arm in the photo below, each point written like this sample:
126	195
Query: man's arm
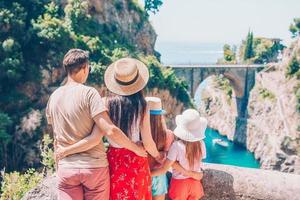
83	145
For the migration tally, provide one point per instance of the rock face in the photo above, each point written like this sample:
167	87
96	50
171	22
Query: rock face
272	130
220	182
218	107
124	14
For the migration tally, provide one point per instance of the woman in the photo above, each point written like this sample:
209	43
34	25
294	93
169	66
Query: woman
129	173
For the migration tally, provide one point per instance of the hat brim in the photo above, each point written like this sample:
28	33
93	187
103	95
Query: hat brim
185	135
126	90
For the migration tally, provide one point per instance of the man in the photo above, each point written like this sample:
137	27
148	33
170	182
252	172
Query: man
72	111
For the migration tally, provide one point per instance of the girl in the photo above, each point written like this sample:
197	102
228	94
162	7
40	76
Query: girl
188	150
129	173
163	139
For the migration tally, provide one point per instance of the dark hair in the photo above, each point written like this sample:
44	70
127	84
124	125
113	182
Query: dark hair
125	111
75	60
158	131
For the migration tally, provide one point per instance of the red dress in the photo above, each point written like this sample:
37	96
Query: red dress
129	175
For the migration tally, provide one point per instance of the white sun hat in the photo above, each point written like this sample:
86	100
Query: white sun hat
190	126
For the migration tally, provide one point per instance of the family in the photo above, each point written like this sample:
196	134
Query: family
141	148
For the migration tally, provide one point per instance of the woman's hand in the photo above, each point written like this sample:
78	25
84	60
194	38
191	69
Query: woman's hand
140	150
161	158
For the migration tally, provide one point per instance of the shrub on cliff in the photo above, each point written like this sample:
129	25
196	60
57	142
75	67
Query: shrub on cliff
295	27
293	67
15	185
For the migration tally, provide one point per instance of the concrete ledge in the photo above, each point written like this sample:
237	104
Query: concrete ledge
220	182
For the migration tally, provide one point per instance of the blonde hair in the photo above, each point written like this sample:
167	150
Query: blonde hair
193	152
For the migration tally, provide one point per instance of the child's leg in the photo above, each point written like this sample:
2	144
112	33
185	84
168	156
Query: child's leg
159	197
178	189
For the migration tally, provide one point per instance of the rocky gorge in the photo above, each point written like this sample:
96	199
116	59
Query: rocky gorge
272	123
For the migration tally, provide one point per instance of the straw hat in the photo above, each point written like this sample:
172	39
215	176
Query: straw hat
126	76
155	106
190	126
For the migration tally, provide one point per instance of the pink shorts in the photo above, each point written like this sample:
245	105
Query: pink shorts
79	184
185	189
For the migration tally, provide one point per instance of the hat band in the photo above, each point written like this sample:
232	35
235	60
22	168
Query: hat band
129	82
156	112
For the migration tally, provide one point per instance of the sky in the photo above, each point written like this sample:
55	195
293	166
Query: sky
223	21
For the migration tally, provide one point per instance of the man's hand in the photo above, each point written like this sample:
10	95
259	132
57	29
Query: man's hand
60	153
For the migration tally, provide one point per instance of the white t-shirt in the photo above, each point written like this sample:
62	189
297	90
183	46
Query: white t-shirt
177	153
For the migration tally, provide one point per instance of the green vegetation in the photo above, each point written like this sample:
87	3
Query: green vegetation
34	36
266	94
295	27
153	5
253	50
229	54
297	93
15	184
224	84
259	50
293	67
249	52
47	154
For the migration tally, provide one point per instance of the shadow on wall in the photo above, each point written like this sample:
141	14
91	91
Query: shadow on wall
222	183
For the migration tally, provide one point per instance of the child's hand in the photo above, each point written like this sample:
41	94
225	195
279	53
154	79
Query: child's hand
195	175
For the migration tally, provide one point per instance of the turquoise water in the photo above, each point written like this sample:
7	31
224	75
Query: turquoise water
234	154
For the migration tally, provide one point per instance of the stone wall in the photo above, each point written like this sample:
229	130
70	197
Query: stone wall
220	182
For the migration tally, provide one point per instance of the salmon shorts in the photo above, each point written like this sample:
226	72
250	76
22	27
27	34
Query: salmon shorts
87	184
185	189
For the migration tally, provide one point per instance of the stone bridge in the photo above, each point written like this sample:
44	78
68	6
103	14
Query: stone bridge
241	77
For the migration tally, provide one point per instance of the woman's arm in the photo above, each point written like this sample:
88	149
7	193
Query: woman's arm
83	145
166	166
103	126
147	139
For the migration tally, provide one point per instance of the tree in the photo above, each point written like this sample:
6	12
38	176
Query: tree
248	52
295	27
229	53
293	66
153	5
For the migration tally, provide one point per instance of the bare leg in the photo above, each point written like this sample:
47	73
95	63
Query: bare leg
159	197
